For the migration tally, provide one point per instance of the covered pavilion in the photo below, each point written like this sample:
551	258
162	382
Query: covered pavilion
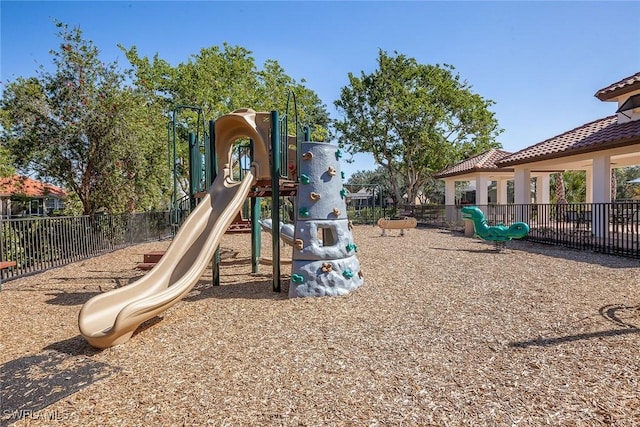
595	147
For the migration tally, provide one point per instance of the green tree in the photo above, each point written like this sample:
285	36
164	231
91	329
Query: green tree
378	177
84	128
625	189
415	119
6	162
220	79
223	79
275	88
569	186
432	191
560	193
576	186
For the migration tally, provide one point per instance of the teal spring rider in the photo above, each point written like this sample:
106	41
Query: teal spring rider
499	234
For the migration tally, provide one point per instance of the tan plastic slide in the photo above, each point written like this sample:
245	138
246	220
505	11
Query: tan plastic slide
111	318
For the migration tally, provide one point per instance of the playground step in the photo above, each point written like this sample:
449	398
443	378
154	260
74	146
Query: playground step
146	265
7	264
3	265
149	260
152	257
263	188
240	227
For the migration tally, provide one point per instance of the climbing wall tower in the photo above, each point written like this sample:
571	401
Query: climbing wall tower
324	255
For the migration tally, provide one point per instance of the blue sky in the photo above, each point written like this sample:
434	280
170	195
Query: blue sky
541	62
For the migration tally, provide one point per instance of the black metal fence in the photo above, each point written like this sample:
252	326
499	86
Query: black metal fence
37	244
610	228
365	215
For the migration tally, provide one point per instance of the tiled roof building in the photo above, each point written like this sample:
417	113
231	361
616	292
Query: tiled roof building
487	162
29	187
619	130
621	87
595	147
600	134
24	196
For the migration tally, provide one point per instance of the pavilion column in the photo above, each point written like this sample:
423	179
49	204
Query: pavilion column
589	185
601	179
482	199
501	190
542	188
500	210
543	185
450	199
482	193
601	194
522	193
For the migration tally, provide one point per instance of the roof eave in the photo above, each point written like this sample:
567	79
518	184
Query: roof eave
573	151
473	170
611	95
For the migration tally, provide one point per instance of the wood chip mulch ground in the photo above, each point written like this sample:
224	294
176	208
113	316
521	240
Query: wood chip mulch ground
444	332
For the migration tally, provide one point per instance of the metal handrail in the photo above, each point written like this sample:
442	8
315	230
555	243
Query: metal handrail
285	119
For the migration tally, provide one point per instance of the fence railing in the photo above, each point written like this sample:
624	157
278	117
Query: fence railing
610	228
37	244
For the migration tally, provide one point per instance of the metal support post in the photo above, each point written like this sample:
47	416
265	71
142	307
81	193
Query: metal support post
255	225
275	199
213	161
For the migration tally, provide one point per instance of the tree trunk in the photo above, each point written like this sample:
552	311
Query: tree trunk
614	185
561	196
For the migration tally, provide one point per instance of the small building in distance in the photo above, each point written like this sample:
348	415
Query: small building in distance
21	196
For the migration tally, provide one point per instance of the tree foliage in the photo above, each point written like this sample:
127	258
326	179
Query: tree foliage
6	162
625	189
221	79
362	179
570	187
415	119
84	128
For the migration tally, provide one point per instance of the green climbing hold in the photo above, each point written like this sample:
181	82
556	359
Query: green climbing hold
338	154
342	174
305	179
343	193
304	212
348	273
352	247
297	278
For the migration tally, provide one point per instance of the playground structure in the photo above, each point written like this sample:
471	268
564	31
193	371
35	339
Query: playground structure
326	266
324	257
286	234
397	224
3	265
286	230
499	234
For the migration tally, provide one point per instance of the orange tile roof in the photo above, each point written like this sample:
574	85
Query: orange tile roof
625	85
484	162
18	184
595	136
